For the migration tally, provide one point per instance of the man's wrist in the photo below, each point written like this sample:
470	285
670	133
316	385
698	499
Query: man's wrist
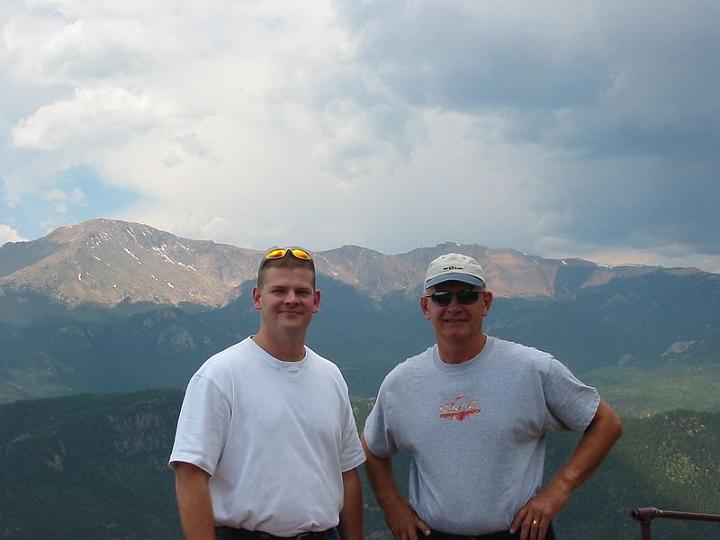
390	499
565	483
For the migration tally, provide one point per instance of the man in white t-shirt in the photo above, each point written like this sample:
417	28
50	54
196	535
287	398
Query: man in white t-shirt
473	411
266	444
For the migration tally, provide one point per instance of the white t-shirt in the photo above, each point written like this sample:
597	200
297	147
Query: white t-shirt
274	436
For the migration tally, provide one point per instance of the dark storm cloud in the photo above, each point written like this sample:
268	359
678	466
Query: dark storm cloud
439	54
638	205
624	94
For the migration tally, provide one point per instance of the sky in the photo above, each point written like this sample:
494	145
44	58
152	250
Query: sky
561	129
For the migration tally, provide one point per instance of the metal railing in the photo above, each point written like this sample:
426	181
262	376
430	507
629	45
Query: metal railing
646	515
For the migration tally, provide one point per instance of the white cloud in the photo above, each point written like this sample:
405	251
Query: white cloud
8	234
58	195
61	199
93	116
56	50
591	127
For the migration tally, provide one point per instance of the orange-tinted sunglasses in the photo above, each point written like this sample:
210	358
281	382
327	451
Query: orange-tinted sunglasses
279	253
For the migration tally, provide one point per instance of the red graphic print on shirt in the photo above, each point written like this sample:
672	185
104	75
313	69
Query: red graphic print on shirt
459	408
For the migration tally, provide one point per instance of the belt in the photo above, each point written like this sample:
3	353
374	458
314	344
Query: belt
231	533
500	535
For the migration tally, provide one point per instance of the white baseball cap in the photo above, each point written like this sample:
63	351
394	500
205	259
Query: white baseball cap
454	267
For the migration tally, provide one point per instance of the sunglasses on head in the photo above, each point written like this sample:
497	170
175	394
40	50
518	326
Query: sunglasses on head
465	297
279	253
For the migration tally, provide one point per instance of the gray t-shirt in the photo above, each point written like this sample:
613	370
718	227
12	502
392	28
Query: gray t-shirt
476	430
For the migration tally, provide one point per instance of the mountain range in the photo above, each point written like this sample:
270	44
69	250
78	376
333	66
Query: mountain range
108	306
108	262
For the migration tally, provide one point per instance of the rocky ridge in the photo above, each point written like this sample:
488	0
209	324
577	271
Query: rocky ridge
107	262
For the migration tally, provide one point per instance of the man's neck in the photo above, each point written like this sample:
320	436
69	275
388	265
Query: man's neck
288	348
453	352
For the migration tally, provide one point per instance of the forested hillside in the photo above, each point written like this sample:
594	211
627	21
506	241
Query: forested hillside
94	466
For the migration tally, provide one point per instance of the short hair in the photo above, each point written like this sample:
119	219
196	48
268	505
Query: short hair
286	261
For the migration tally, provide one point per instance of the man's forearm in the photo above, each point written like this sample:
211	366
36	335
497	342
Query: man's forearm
382	480
595	444
351	516
194	503
403	521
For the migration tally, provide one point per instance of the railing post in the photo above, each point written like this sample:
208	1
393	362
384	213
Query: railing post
645	532
645	517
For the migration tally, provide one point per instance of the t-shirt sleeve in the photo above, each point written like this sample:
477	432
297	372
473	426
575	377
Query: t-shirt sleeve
202	425
378	433
571	404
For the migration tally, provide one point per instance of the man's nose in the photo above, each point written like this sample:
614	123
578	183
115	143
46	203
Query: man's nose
291	297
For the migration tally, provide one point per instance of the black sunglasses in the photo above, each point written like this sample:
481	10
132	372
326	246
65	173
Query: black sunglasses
465	297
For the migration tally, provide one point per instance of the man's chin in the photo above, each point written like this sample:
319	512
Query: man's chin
290	316
296	321
455	324
456	331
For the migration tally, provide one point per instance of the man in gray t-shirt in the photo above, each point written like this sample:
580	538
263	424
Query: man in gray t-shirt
473	412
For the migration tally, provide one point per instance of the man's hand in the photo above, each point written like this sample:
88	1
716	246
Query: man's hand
402	520
534	518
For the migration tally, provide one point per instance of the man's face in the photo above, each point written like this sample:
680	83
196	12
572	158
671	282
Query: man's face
286	299
456	322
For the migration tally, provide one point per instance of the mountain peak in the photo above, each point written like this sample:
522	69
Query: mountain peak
111	261
107	261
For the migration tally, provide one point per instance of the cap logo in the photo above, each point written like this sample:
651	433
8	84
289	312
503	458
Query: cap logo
452	267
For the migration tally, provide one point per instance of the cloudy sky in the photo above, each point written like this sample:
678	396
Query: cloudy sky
564	129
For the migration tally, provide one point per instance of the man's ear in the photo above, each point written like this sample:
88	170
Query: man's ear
488	301
424	306
256	294
316	301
